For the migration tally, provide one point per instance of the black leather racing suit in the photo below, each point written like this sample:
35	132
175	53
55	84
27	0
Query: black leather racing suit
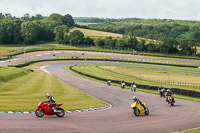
52	101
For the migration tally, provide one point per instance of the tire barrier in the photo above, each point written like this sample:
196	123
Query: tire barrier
5	58
190	93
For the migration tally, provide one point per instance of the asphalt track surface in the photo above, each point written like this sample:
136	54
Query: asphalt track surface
119	119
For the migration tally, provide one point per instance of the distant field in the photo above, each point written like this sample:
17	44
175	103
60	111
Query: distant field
82	23
94	33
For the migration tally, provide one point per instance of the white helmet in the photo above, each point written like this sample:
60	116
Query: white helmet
47	95
168	90
134	98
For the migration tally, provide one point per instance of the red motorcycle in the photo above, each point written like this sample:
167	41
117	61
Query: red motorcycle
171	100
45	109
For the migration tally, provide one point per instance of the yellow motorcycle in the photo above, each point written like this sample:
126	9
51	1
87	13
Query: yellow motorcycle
138	109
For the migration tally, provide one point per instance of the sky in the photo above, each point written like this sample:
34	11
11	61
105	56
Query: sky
163	9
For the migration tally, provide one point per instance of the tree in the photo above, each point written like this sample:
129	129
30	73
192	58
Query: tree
26	17
2	16
141	46
151	47
48	26
99	42
29	32
38	17
76	37
57	18
187	47
109	42
88	40
121	43
2	33
68	20
10	31
61	34
8	15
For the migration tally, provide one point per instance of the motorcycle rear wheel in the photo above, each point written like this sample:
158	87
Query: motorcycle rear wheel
60	114
39	113
146	111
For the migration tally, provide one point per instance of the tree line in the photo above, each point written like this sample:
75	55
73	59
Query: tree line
32	29
166	36
175	36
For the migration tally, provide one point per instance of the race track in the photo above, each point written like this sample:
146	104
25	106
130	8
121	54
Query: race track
119	119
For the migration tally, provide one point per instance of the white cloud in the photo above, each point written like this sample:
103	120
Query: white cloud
175	9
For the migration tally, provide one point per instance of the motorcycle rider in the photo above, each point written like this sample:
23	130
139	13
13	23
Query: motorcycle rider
52	101
135	99
161	90
133	86
123	84
169	93
108	82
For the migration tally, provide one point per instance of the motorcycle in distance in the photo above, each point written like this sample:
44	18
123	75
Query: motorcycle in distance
45	109
108	82
171	100
138	109
123	84
162	92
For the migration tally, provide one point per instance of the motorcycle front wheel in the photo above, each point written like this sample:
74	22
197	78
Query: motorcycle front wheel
39	113
172	103
61	113
136	111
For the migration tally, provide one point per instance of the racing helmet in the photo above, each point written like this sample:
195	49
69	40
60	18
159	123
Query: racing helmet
47	95
134	98
168	90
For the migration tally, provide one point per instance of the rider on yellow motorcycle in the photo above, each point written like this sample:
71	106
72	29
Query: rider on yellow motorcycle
135	99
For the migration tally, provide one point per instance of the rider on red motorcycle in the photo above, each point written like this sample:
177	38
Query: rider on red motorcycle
169	93
51	100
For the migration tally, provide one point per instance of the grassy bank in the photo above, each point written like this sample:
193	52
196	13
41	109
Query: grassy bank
138	89
145	76
192	131
4	49
8	73
24	93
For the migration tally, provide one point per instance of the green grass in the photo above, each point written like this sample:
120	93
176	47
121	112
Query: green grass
4	49
192	131
25	92
146	76
152	74
9	73
138	89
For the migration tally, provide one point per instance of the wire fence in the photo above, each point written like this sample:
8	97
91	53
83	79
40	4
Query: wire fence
170	82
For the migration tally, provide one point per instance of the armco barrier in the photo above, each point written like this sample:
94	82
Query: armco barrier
183	92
